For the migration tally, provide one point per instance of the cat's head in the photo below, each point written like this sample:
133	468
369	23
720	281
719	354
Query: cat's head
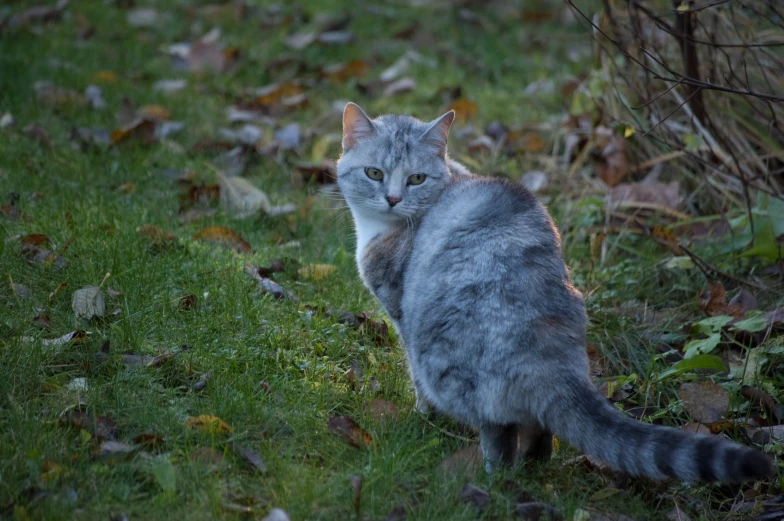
392	167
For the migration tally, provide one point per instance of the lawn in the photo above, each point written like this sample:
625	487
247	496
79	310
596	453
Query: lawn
147	369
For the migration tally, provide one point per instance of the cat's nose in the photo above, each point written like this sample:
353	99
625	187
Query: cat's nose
393	200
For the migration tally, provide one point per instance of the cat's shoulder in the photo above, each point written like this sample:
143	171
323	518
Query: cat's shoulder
489	189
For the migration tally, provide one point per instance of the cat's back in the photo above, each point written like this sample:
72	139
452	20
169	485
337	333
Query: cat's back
486	213
487	250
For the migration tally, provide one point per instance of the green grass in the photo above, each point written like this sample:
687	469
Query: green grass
278	371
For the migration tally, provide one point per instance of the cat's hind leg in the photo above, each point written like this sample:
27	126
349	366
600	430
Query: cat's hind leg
535	442
499	445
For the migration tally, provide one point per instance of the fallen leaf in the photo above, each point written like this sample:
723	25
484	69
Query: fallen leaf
39	15
240	199
288	137
39	134
151	441
77	336
276	266
41	320
245	135
350	431
187	302
765	399
154	112
322	172
250	456
267	285
696	428
276	514
140	129
537	511
466	461
342	72
207	423
706	402
158	236
99	426
225	238
207	456
381	410
614	166
94	96
144	17
88	302
49	94
207	57
334	37
202	383
465	109
660	194
169	86
398	513
316	271
474	495
400	86
21	291
356	484
299	41
116	447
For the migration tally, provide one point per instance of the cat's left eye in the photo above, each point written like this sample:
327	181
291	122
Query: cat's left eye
416	179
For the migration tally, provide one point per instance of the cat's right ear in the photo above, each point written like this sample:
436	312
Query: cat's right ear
356	125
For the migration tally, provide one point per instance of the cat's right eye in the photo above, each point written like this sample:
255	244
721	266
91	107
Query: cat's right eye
374	173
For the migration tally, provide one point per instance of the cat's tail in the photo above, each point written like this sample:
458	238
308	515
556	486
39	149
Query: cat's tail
587	420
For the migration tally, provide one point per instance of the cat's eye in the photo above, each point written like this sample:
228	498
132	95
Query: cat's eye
374	173
416	179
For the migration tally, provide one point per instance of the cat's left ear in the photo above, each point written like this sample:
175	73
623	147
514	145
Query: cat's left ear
438	132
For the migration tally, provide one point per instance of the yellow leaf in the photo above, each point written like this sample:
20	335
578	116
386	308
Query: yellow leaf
316	271
628	132
155	112
683	7
50	470
106	76
465	109
207	423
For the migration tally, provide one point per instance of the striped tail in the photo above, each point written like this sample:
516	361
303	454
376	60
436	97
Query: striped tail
587	420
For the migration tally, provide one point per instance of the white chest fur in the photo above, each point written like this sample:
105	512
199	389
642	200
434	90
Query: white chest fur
367	229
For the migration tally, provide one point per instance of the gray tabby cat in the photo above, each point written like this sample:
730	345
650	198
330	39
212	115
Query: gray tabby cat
470	271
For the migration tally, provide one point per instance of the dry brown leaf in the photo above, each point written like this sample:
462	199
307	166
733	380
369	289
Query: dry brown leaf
41	320
463	462
187	302
157	235
154	112
276	266
356	484
140	129
382	410
39	15
209	424
655	193
465	109
51	95
706	402
714	302
342	72
350	431
322	172
614	165
99	426
225	238
476	496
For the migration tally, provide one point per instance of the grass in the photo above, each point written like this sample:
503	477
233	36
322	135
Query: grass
278	371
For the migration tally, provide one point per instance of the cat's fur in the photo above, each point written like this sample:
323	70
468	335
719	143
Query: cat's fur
470	270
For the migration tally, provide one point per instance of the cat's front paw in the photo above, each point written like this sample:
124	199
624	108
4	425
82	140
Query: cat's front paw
423	406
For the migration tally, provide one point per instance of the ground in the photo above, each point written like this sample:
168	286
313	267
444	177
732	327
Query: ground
238	371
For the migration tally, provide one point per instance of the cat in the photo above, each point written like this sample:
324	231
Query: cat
470	271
